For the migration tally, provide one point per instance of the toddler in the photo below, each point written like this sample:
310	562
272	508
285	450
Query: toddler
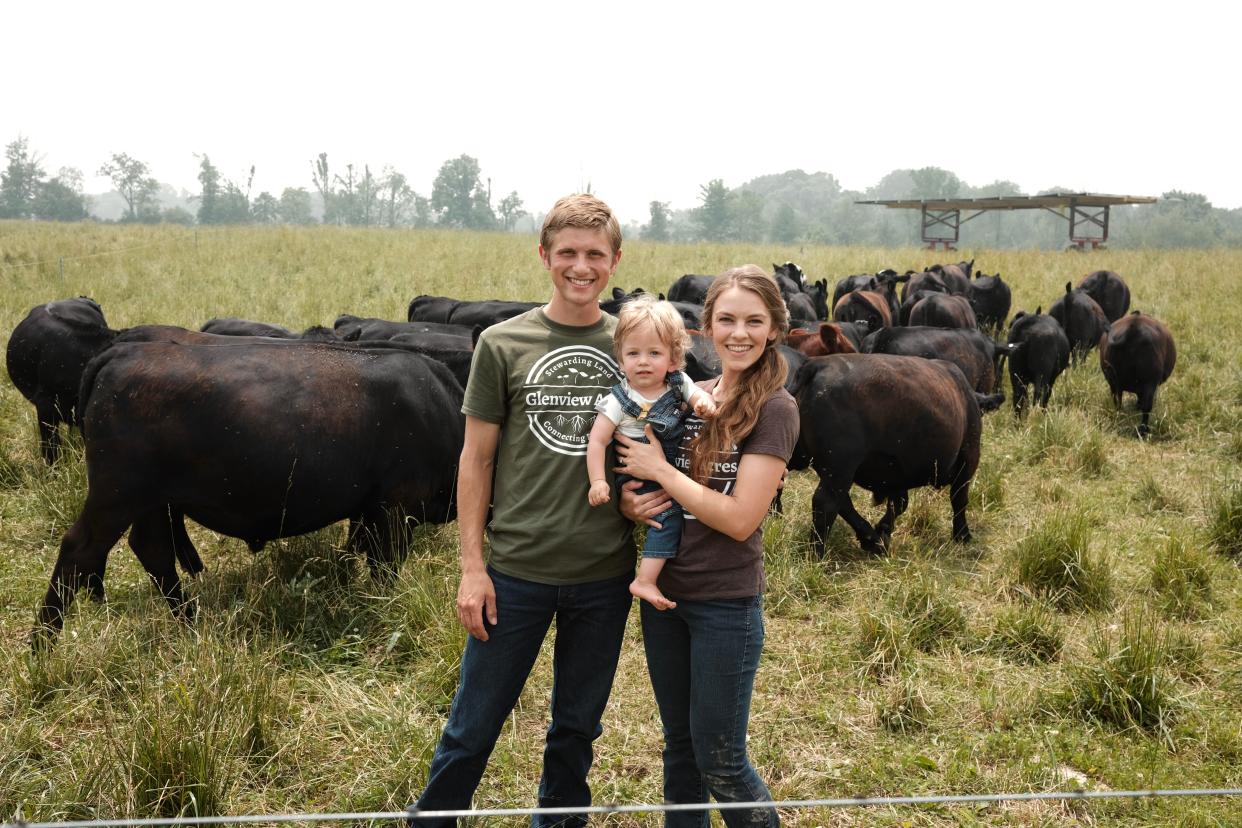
650	343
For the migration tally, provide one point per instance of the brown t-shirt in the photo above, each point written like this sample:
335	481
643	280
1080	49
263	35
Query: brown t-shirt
709	564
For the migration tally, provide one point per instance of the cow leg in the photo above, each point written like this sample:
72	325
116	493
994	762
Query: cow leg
895	507
187	553
374	533
81	562
1019	395
959	494
155	547
823	514
1043	392
48	416
868	539
1146	401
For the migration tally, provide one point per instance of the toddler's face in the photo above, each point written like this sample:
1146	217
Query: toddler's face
645	359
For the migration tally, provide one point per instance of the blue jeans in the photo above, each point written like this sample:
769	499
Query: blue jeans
702	657
590	623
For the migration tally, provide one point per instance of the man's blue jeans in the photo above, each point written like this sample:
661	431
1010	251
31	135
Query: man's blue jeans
590	623
702	657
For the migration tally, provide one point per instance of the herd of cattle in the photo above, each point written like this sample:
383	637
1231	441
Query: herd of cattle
258	433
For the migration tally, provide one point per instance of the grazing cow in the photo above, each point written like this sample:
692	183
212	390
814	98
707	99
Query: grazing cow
284	439
690	288
956	277
859	281
818	291
976	353
232	326
351	328
827	339
990	297
888	424
1109	291
426	308
790	271
46	355
1137	355
1040	352
943	310
488	312
801	306
925	281
863	306
1081	318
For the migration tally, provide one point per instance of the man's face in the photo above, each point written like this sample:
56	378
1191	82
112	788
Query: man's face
581	260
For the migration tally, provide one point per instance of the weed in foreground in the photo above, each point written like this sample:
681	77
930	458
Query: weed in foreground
1182	578
932	617
883	645
904	709
1056	563
1151	496
1027	634
1127	682
1224	529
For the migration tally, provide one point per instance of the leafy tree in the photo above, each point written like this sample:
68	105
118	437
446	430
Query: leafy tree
785	225
933	182
322	179
746	216
657	229
19	183
510	210
295	206
209	196
131	179
713	214
458	198
61	198
265	209
170	215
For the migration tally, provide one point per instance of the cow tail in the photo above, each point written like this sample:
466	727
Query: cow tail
87	385
989	402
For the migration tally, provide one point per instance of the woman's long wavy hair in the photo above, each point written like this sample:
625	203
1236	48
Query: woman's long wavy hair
736	416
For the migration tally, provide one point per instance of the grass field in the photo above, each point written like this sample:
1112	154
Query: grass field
1089	636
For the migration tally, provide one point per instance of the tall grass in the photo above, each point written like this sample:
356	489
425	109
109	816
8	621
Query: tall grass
310	683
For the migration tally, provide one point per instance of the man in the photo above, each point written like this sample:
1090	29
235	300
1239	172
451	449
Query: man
529	405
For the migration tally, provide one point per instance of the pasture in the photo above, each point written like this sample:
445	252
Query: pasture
1088	637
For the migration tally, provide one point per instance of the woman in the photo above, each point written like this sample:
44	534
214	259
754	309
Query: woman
702	655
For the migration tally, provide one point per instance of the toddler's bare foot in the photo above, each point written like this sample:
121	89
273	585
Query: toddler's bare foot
650	593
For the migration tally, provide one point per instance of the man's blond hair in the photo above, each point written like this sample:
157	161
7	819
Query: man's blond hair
580	210
663	318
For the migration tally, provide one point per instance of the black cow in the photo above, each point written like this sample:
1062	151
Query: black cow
285	438
943	310
232	326
888	424
925	281
702	361
351	328
46	355
1137	356
991	298
619	297
1040	352
974	352
1109	291
426	308
690	288
489	312
1081	318
859	281
864	306
956	277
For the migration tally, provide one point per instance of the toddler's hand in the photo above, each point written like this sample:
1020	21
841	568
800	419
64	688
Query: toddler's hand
600	493
705	406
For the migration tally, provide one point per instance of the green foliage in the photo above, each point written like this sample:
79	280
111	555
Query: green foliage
1224	531
933	619
882	644
131	179
1056	563
1027	634
714	214
1182	577
657	229
510	210
20	180
1127	683
458	198
295	206
904	709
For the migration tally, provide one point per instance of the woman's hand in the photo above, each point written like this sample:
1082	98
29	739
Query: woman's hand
642	460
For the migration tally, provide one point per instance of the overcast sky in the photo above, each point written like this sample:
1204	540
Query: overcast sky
640	100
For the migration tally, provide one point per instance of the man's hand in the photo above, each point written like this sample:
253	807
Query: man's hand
476	599
643	508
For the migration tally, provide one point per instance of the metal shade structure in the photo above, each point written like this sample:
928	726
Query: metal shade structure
1087	214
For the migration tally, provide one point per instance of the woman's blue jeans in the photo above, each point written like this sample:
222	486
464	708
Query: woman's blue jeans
702	657
590	624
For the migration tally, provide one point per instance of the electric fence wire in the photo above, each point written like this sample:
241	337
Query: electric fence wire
852	802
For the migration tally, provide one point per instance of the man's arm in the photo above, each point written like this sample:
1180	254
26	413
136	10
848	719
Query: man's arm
476	596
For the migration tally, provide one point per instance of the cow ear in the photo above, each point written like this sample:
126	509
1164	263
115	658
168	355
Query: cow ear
660	296
474	335
1068	287
617	293
1039	310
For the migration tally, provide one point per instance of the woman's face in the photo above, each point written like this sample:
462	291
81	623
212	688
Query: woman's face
741	329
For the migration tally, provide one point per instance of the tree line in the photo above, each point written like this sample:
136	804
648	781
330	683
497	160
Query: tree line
787	208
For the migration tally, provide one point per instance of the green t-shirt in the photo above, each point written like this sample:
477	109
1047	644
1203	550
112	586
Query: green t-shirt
539	381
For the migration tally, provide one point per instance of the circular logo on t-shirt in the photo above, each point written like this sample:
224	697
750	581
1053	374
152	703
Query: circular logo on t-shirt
560	394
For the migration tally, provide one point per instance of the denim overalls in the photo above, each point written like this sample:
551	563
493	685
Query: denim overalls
667	418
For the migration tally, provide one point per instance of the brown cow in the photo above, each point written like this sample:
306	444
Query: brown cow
1137	355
